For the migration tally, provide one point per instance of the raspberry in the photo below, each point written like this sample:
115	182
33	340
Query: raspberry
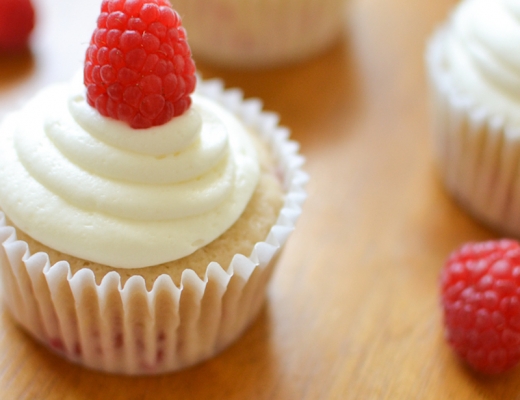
138	66
480	286
16	24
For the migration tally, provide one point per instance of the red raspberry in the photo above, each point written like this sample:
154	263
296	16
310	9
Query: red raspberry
16	24
138	67
480	286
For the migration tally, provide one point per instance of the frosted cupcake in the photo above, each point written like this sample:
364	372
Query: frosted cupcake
140	219
260	33
474	72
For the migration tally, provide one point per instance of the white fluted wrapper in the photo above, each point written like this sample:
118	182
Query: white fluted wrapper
260	33
478	153
131	330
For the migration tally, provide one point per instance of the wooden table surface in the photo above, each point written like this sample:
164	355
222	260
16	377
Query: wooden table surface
352	310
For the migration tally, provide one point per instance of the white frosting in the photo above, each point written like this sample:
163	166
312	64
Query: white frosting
96	189
481	53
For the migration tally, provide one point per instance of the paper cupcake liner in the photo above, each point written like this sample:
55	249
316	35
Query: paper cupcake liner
260	33
131	330
478	153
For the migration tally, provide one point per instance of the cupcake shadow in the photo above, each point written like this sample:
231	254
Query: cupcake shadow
434	210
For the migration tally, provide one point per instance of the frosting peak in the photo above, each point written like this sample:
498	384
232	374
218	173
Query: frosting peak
482	54
94	188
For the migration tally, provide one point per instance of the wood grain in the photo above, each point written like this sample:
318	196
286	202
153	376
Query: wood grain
352	311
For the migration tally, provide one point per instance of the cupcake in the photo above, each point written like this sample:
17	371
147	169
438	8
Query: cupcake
260	33
142	210
474	75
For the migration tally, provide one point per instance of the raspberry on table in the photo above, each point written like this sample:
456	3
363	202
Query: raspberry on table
138	67
17	19
480	289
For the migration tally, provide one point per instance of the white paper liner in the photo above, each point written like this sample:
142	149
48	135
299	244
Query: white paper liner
130	330
478	153
260	33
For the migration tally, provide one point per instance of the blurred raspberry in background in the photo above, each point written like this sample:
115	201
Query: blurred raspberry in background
17	19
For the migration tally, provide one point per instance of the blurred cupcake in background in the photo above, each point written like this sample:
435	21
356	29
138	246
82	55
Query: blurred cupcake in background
473	66
260	33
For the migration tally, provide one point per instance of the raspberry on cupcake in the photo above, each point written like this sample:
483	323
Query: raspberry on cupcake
138	67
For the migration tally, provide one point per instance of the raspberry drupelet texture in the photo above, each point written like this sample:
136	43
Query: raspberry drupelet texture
480	286
138	66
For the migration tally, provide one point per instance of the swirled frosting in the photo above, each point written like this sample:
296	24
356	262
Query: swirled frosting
96	189
482	54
